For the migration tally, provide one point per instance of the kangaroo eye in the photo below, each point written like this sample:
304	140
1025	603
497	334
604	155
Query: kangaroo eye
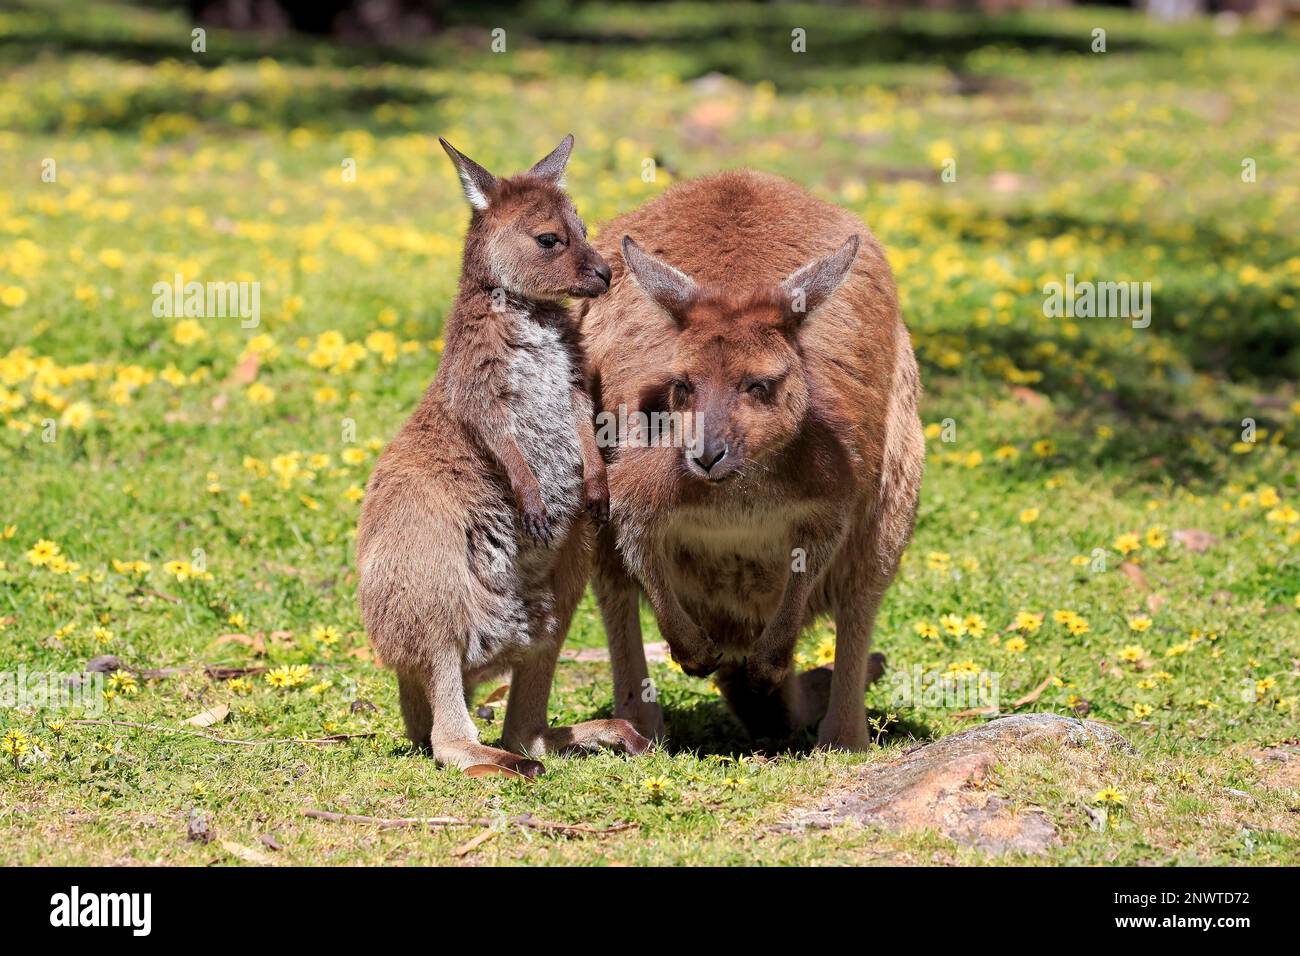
759	389
548	240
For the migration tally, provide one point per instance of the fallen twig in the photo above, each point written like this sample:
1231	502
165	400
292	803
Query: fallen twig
526	821
469	846
316	741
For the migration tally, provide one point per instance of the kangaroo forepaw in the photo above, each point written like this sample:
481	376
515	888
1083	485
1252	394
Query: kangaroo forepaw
537	523
595	498
698	661
768	671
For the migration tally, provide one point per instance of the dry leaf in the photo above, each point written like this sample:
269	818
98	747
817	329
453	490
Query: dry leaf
361	653
206	718
1028	397
1136	576
492	770
254	643
977	712
245	373
497	696
1155	602
1034	694
246	853
468	847
1195	540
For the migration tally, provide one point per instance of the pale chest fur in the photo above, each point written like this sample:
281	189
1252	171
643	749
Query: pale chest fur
542	419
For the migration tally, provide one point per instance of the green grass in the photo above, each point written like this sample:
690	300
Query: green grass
227	166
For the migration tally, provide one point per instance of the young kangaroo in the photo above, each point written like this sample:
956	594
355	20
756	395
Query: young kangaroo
474	546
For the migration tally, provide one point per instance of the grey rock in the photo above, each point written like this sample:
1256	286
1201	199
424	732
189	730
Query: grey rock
942	785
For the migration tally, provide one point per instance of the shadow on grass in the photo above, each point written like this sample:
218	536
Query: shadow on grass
709	729
1163	424
750	42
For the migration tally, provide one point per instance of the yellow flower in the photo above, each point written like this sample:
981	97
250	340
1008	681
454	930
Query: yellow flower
183	571
189	331
354	493
1140	623
825	652
1156	538
76	415
975	625
353	456
123	682
1044	448
15	743
1016	645
1127	543
1028	622
288	675
1029	516
1007	453
1132	653
1109	795
953	625
12	296
1284	515
329	636
1077	626
1141	710
260	394
926	629
42	552
656	785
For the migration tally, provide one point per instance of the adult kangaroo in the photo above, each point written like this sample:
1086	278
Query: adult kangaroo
768	321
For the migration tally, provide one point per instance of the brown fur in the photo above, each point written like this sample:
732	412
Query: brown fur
473	546
825	457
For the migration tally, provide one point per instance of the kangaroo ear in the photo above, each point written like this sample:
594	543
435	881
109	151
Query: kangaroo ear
671	288
807	289
477	182
551	168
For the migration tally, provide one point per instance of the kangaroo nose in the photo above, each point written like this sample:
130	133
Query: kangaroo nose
602	272
710	456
